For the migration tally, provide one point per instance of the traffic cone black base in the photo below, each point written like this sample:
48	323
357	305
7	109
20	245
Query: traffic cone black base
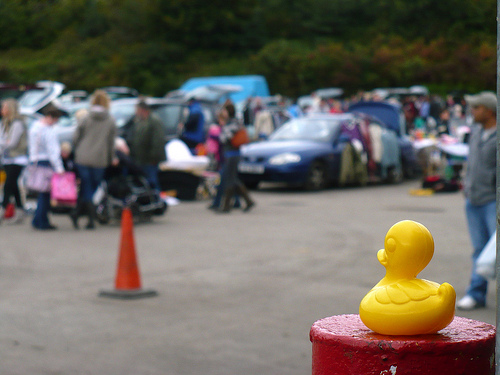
128	294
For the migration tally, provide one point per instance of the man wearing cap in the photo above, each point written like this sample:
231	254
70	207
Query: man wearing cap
480	189
147	142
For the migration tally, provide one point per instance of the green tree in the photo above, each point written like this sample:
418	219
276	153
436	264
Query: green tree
154	45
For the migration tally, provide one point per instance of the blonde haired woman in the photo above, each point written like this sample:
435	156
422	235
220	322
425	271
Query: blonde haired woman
93	143
13	154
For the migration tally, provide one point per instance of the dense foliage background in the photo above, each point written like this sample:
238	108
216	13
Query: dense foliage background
299	45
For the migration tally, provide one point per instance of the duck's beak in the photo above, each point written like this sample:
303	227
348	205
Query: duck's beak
382	257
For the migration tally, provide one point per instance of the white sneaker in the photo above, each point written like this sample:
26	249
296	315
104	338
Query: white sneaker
467	303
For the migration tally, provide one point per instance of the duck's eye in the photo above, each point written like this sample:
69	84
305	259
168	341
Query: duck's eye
390	245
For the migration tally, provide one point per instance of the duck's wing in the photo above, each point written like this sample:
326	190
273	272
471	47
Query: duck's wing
404	291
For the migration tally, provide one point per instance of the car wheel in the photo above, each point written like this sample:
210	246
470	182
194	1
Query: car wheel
409	170
394	175
252	185
316	178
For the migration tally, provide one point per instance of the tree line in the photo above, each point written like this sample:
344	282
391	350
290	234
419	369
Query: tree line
299	45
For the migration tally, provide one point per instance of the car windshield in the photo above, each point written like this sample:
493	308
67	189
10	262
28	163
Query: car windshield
170	116
63	121
323	130
122	112
33	97
66	121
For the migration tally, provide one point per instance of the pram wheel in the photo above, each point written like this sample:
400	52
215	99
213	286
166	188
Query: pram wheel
102	213
134	207
131	191
161	210
138	215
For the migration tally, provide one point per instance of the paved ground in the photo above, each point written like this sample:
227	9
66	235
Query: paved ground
238	293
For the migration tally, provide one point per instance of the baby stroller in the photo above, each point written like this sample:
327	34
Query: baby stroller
124	186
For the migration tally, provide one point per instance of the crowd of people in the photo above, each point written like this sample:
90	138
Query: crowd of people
429	115
39	150
95	148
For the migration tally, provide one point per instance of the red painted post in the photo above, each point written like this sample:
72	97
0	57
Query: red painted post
343	345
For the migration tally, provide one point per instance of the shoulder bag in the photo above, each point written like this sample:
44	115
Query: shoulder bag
240	138
38	176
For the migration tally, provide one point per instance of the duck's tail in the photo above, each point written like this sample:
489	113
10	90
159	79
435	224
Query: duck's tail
446	291
448	296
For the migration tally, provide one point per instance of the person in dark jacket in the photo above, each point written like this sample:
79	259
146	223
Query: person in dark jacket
443	124
146	140
193	132
229	180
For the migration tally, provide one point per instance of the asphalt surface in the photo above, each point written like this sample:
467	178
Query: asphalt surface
237	293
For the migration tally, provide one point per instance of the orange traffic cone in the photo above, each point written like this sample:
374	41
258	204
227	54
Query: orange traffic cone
9	211
128	280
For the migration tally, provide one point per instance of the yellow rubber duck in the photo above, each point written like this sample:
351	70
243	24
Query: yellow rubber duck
401	304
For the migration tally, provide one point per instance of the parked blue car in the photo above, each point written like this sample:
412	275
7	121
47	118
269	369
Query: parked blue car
319	150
